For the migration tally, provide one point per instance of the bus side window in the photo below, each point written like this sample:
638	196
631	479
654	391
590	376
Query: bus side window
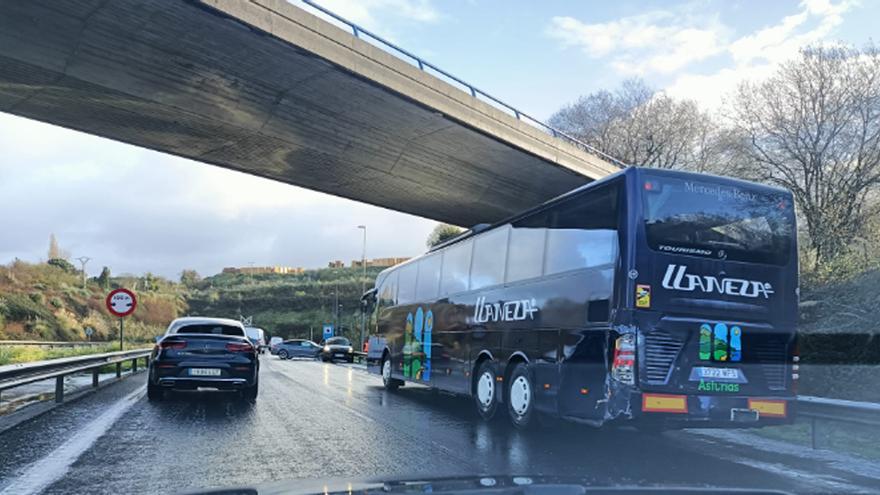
490	258
388	291
429	278
583	232
456	268
406	288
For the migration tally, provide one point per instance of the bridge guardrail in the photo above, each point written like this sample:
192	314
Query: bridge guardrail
16	375
475	92
818	409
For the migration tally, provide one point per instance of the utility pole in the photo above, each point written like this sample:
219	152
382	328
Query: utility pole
363	287
83	260
336	305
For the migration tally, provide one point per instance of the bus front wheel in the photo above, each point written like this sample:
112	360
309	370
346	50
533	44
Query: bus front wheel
485	390
521	397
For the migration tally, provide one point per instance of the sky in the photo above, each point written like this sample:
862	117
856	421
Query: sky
137	210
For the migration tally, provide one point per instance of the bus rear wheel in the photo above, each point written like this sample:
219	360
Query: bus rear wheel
520	397
388	382
485	391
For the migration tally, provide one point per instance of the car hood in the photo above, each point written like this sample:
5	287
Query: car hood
490	485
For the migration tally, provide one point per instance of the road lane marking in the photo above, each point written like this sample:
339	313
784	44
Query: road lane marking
39	475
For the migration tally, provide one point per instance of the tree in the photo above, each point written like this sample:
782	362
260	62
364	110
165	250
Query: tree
63	264
814	128
442	233
190	278
104	278
640	126
54	250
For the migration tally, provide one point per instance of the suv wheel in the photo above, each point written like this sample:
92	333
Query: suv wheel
283	354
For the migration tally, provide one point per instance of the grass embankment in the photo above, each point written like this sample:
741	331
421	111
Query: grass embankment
840	437
27	353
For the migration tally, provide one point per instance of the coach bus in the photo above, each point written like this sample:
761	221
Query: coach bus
662	298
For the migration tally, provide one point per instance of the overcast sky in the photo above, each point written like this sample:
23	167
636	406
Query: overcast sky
137	210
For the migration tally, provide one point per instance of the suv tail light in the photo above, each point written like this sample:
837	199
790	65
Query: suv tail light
623	364
172	344
239	347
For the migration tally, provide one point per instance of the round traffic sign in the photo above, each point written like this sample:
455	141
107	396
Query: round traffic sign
121	302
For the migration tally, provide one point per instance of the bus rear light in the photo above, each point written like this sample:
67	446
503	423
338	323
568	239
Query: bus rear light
623	364
585	391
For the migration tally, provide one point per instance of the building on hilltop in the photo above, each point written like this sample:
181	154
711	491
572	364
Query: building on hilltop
336	264
379	262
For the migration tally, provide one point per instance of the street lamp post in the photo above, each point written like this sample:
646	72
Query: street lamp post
363	285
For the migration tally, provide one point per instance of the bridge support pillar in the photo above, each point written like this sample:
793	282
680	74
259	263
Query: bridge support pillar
59	389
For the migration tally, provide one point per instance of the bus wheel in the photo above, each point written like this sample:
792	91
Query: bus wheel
521	397
388	382
485	391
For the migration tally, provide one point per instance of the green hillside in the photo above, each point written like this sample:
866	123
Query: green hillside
46	301
286	305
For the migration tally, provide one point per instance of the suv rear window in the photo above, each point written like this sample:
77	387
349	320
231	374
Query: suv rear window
212	329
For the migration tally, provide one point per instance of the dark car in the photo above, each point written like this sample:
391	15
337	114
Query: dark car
204	352
298	348
337	348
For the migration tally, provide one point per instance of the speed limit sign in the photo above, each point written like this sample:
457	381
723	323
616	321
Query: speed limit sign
121	302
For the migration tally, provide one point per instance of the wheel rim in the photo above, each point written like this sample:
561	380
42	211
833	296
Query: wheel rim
282	354
520	395
486	389
386	371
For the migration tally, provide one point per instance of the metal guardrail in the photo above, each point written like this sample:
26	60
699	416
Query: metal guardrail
16	375
43	343
475	92
818	409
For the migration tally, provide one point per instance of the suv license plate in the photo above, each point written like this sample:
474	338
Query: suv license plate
744	415
204	372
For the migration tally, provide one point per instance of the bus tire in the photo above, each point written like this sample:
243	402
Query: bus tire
520	398
388	382
486	390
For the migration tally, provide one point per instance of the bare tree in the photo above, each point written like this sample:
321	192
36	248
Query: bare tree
640	126
814	128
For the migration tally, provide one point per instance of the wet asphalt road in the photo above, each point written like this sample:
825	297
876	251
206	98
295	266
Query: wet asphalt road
315	420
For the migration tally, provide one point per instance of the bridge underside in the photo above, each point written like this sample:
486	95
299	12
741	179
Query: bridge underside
186	79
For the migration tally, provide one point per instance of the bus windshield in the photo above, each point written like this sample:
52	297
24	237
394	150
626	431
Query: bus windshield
702	218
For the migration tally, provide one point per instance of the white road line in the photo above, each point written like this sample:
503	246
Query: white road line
49	469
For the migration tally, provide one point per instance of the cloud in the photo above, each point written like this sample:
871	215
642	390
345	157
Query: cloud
657	41
755	56
137	210
365	12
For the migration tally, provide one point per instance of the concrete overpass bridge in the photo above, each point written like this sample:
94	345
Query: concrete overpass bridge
267	88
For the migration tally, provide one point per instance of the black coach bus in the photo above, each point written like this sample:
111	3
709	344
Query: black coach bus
665	298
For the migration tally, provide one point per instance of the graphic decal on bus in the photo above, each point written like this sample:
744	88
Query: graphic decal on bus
417	345
719	343
523	309
677	278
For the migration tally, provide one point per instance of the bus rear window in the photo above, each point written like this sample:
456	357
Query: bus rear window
702	218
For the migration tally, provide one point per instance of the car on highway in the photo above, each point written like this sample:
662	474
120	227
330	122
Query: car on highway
273	344
198	352
298	348
257	336
337	348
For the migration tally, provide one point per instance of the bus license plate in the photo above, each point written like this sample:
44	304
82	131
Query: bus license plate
204	372
734	375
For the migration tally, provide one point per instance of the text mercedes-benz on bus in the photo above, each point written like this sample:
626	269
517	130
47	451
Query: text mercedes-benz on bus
660	297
